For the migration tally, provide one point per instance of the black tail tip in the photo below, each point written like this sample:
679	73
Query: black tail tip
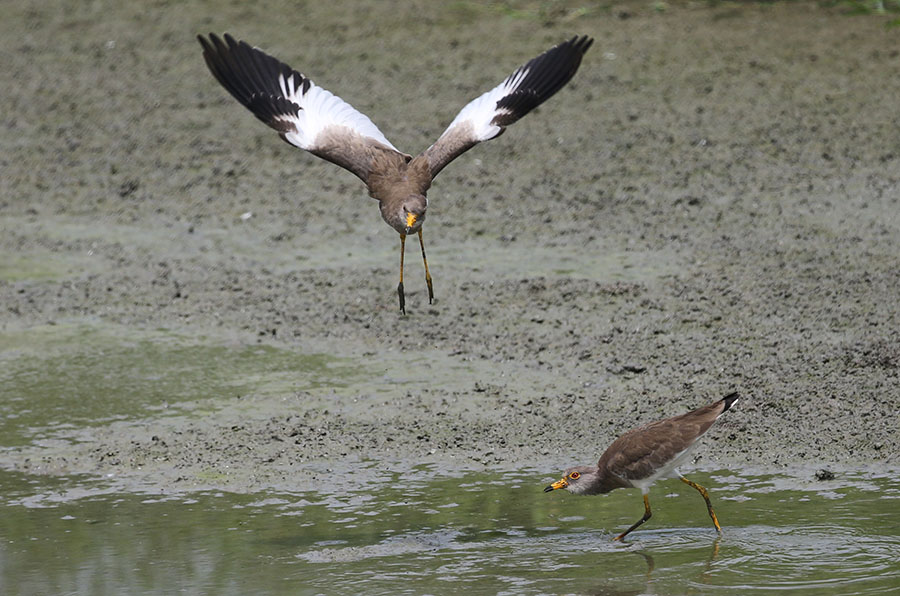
730	399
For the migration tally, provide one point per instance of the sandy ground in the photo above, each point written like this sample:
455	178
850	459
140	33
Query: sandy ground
712	205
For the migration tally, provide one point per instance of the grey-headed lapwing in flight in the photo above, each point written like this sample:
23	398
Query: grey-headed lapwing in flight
309	117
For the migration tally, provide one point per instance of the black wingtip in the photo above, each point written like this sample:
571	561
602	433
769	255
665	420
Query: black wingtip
208	41
544	76
730	400
205	43
252	77
582	42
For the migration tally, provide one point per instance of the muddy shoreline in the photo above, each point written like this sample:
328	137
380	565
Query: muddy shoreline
711	205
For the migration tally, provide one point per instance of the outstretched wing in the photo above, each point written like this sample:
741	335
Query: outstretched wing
304	114
487	116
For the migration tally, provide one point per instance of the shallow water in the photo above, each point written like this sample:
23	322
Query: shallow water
427	532
382	527
58	378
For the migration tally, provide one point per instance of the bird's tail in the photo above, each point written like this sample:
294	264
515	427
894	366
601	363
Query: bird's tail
729	400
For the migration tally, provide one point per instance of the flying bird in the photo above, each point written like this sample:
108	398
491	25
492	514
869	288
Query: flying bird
646	454
312	118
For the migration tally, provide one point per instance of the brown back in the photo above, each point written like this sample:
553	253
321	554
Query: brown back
641	451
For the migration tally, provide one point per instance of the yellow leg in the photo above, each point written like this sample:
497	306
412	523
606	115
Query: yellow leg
705	494
647	515
427	274
400	287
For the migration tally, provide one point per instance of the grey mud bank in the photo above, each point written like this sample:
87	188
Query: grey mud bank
711	205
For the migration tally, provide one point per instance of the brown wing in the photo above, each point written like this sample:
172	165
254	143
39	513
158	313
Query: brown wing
643	450
304	114
487	116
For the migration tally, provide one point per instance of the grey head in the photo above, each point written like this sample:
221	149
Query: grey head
406	215
580	480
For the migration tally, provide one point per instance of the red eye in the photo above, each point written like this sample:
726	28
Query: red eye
574	475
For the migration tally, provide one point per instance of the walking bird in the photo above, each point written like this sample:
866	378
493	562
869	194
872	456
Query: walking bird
646	454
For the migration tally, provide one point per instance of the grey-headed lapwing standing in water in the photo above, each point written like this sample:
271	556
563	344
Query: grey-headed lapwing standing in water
646	454
309	117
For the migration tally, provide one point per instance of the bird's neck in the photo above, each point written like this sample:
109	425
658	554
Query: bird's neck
607	481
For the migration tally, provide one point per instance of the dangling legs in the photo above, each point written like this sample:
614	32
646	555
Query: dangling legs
427	274
400	287
647	515
703	492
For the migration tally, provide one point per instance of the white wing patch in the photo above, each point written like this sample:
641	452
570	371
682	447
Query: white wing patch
320	109
482	110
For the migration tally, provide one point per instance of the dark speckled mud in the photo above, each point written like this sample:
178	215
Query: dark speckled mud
713	204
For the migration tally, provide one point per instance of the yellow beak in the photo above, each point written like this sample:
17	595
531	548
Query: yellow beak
410	220
561	483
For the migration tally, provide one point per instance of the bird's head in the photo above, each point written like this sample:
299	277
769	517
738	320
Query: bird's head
578	480
411	215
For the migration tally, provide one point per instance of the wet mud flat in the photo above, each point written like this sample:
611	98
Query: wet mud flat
711	205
